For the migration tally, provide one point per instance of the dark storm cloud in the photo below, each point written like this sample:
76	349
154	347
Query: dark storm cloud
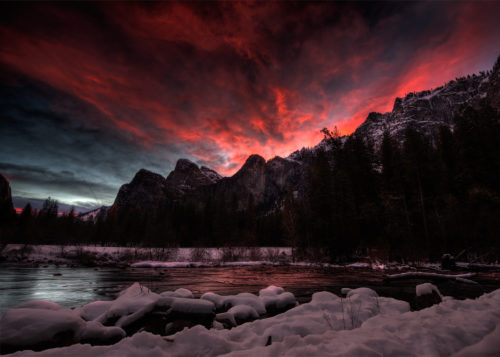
102	89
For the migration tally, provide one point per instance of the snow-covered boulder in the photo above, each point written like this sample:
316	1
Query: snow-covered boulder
184	312
130	305
271	291
224	303
276	300
271	301
245	299
237	315
97	334
181	293
137	308
216	299
40	304
93	310
39	325
427	294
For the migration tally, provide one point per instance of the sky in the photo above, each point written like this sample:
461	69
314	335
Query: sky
92	92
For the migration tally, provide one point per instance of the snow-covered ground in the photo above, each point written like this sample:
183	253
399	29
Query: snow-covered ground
145	257
162	257
359	324
138	257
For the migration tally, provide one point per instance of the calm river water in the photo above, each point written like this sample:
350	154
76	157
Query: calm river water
72	287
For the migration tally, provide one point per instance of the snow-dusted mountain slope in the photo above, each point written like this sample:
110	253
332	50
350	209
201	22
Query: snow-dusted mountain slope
424	111
94	215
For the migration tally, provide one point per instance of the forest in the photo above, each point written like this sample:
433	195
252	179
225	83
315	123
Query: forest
414	199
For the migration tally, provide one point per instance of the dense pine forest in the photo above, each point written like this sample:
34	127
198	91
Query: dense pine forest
412	200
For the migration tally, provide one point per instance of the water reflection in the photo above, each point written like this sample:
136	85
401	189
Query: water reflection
72	287
65	286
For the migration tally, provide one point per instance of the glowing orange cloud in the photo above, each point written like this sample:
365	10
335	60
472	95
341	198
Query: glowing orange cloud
222	81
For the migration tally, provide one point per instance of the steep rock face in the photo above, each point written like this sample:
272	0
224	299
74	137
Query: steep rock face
146	192
188	176
425	111
265	182
284	175
213	175
250	179
6	206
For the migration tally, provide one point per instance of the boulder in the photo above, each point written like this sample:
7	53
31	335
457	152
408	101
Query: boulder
39	326
427	295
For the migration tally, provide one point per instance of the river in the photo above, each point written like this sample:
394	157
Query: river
71	287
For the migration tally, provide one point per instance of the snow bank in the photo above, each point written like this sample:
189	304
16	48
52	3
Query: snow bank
41	324
31	326
489	346
362	324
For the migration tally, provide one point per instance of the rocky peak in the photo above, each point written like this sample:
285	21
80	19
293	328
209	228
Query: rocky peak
146	192
188	176
144	177
185	165
254	165
266	182
254	162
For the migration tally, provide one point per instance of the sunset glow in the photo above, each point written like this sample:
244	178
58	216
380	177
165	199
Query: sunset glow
143	85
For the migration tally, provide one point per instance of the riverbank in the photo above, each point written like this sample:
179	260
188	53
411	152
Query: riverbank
269	323
147	257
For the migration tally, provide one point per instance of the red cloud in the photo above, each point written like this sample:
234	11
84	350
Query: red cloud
222	81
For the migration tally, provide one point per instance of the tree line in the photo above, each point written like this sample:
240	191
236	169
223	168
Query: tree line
414	199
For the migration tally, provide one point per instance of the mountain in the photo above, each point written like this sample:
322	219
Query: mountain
259	183
150	192
6	206
265	184
95	214
147	192
187	176
424	111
